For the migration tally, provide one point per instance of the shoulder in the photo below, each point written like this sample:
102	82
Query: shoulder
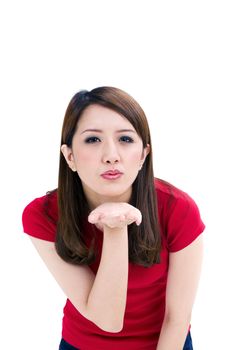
169	196
165	189
39	217
179	215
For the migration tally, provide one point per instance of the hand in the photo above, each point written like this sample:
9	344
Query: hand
115	215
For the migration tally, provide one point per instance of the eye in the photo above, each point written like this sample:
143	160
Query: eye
92	139
126	139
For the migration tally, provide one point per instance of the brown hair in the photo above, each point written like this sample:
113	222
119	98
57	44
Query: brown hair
144	240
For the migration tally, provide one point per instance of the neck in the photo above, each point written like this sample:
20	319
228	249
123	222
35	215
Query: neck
98	200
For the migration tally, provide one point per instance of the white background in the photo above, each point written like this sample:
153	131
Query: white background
174	58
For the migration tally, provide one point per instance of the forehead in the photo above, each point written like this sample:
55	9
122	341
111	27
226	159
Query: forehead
102	117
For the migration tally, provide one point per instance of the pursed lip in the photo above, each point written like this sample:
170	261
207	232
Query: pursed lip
112	172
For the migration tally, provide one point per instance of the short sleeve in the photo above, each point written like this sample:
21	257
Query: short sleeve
37	223
184	223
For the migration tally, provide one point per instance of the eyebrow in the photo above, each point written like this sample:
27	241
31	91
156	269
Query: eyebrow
98	130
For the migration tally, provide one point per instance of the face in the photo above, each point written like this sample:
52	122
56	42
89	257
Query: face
105	141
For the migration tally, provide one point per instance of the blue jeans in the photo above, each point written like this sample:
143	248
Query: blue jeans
66	346
188	345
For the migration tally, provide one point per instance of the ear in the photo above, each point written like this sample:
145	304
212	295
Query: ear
68	155
146	151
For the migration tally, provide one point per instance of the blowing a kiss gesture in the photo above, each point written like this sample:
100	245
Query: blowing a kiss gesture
115	215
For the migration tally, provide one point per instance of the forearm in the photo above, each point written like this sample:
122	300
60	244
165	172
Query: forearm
107	299
173	335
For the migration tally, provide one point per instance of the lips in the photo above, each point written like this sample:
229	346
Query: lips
112	172
111	175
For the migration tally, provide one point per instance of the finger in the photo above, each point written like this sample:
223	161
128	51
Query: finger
134	217
93	218
122	217
139	219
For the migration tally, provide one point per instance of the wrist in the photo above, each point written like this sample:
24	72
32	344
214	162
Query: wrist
114	230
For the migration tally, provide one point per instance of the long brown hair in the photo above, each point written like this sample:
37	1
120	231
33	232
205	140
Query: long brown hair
144	240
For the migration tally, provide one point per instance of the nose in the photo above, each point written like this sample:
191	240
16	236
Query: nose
110	153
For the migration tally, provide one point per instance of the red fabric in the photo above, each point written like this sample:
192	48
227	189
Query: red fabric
180	223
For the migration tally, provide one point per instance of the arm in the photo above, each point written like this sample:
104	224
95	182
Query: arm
107	298
183	277
100	298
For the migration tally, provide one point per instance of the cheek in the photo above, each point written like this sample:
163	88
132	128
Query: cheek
85	156
135	157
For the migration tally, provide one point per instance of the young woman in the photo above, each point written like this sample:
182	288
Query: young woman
124	246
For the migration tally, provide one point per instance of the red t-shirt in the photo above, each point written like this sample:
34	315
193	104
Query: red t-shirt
180	224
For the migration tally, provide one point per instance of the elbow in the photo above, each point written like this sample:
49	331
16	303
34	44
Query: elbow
115	328
111	322
112	326
105	324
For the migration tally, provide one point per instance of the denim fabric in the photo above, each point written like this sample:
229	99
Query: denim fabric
188	345
66	346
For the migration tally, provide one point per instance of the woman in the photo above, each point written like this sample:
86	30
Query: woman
125	247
